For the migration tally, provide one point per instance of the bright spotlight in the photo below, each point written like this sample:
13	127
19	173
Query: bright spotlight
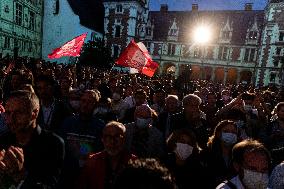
202	34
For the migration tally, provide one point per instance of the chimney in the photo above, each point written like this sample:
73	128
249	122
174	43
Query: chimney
194	7
164	8
248	6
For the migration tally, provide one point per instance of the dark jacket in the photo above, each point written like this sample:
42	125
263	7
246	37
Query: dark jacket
43	160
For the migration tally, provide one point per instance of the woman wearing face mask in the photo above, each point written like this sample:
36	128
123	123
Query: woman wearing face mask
218	153
143	139
183	160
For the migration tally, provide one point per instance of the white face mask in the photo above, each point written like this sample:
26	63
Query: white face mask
255	180
183	151
143	123
75	104
116	96
229	138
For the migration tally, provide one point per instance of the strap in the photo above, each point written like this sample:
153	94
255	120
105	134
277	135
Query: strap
230	184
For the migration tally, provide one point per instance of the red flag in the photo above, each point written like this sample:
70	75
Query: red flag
71	48
135	56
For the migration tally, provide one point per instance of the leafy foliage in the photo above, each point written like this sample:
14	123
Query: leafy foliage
95	54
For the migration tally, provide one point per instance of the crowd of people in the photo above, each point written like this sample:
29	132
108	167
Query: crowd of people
73	126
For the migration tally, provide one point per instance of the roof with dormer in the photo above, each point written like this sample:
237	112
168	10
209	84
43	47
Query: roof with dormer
143	2
240	20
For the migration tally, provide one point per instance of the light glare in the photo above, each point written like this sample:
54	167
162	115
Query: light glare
202	34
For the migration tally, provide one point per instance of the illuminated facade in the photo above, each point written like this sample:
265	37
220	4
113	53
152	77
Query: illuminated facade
21	28
245	45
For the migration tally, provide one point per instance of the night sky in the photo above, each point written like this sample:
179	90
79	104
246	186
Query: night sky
208	4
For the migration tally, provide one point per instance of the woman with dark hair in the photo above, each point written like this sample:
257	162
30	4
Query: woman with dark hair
218	153
183	160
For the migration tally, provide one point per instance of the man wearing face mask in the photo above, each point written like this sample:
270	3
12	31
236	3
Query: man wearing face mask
143	139
251	161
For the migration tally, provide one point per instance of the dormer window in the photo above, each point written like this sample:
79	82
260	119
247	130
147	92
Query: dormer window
173	32
226	35
119	8
253	35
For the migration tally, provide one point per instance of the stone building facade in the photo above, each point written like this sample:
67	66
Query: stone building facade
21	28
246	45
63	20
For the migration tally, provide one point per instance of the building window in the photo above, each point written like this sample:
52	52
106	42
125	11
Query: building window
6	9
173	32
32	21
251	56
117	31
172	49
281	36
29	46
272	77
246	55
275	62
19	14
55	6
278	50
6	42
119	8
148	31
226	35
196	52
148	46
223	53
252	35
115	51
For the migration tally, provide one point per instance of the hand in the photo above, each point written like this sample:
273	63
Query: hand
2	164
13	160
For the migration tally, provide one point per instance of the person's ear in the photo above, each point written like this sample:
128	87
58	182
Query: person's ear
35	113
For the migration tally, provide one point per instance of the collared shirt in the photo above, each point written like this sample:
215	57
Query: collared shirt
235	180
